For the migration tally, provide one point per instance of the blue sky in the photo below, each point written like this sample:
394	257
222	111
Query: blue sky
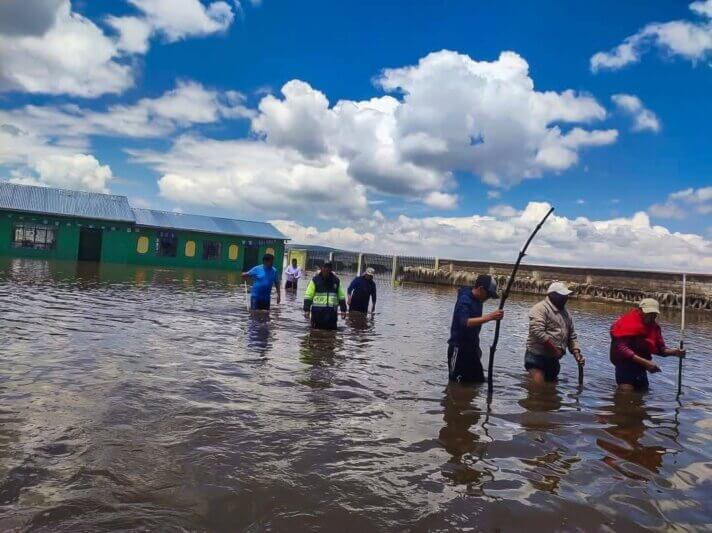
308	165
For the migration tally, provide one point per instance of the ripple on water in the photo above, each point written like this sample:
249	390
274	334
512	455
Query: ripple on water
145	398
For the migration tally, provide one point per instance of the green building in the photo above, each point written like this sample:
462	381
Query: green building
47	223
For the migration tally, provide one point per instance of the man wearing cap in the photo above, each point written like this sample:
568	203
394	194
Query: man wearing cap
635	337
464	356
551	332
361	290
324	295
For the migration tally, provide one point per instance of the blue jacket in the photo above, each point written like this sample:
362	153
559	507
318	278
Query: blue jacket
466	307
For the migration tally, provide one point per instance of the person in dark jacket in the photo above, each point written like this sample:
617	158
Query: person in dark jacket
360	291
464	355
635	337
324	295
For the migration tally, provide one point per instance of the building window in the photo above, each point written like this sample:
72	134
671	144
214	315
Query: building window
166	244
142	244
36	236
190	249
232	252
212	250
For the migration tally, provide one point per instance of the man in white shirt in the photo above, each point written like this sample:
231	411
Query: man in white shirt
292	275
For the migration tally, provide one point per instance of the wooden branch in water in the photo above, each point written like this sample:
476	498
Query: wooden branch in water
505	295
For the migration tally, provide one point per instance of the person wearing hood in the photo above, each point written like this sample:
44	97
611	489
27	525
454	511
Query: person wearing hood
635	337
464	356
551	332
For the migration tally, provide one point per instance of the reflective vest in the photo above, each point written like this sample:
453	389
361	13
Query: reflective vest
322	298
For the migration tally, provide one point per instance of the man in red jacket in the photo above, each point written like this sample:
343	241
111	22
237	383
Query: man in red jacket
635	337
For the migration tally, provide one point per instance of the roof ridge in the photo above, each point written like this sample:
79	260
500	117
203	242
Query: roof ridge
62	190
206	216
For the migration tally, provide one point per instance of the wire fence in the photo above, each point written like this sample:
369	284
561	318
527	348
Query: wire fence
596	283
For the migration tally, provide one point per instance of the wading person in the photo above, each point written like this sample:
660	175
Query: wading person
635	337
323	297
264	277
551	332
464	356
361	290
292	274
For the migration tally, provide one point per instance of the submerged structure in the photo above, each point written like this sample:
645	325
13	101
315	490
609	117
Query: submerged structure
40	222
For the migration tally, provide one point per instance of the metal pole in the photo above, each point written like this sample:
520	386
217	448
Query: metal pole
682	333
437	263
394	270
360	264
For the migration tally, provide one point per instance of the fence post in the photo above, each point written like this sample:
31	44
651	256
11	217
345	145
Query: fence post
437	263
331	257
394	269
360	264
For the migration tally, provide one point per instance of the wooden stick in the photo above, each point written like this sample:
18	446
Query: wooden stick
505	295
682	334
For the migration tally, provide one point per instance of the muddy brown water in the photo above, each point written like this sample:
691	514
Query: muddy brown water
138	398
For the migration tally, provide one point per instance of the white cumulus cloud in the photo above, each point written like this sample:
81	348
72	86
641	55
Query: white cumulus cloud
188	104
78	171
690	39
47	47
643	119
682	203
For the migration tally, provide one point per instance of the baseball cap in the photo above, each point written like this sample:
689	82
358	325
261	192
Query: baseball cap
649	305
559	288
488	283
370	271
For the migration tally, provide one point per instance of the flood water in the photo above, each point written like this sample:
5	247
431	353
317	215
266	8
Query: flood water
138	398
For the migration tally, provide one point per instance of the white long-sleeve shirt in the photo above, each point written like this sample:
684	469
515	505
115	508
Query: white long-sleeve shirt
293	274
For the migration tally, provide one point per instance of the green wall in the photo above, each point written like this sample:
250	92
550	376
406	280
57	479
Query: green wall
120	241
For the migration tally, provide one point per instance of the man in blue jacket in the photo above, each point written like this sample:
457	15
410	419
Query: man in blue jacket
361	290
464	356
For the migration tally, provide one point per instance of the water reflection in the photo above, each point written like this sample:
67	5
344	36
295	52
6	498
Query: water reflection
462	437
627	420
259	333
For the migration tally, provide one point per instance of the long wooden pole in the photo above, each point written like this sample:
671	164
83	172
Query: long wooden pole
505	295
682	333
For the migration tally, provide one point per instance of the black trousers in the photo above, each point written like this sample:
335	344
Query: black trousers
465	364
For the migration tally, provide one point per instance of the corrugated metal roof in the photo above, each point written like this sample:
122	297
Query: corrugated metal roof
205	224
46	201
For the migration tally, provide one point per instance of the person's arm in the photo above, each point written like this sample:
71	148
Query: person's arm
352	286
574	347
309	296
664	351
537	330
489	317
373	298
279	292
462	316
250	273
342	299
625	352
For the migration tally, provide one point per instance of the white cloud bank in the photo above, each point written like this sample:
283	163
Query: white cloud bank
622	242
46	47
681	203
643	119
691	40
446	114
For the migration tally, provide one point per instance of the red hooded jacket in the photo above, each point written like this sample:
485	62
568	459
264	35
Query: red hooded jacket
631	336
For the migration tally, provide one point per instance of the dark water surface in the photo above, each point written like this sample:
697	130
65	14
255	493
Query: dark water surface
136	398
